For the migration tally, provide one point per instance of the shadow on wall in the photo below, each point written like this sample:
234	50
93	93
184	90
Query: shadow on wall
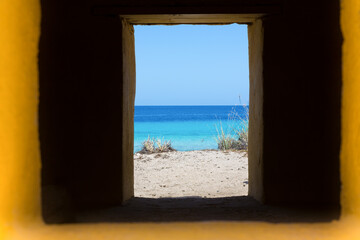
242	208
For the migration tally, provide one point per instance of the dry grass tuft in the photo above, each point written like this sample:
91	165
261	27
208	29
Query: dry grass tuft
237	137
156	145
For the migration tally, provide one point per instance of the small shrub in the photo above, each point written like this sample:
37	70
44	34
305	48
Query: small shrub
242	133
237	137
148	146
156	145
224	141
163	145
243	139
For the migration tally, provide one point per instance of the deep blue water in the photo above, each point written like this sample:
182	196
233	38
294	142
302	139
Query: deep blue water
188	127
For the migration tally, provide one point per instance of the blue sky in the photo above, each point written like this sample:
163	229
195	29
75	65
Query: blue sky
192	65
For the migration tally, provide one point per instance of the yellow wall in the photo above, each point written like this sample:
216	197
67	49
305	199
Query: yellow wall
350	152
20	162
19	146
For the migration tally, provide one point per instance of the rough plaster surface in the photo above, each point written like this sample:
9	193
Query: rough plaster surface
256	121
128	102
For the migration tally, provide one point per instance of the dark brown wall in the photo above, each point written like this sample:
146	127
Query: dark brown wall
80	106
302	89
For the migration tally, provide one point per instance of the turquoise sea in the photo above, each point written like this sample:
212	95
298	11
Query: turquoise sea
187	127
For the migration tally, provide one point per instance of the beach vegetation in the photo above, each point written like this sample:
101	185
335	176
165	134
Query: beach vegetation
224	140
156	145
236	135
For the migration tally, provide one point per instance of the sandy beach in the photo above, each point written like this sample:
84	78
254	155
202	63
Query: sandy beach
205	173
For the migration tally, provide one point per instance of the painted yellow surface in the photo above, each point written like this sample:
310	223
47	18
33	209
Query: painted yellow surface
19	145
20	161
350	151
